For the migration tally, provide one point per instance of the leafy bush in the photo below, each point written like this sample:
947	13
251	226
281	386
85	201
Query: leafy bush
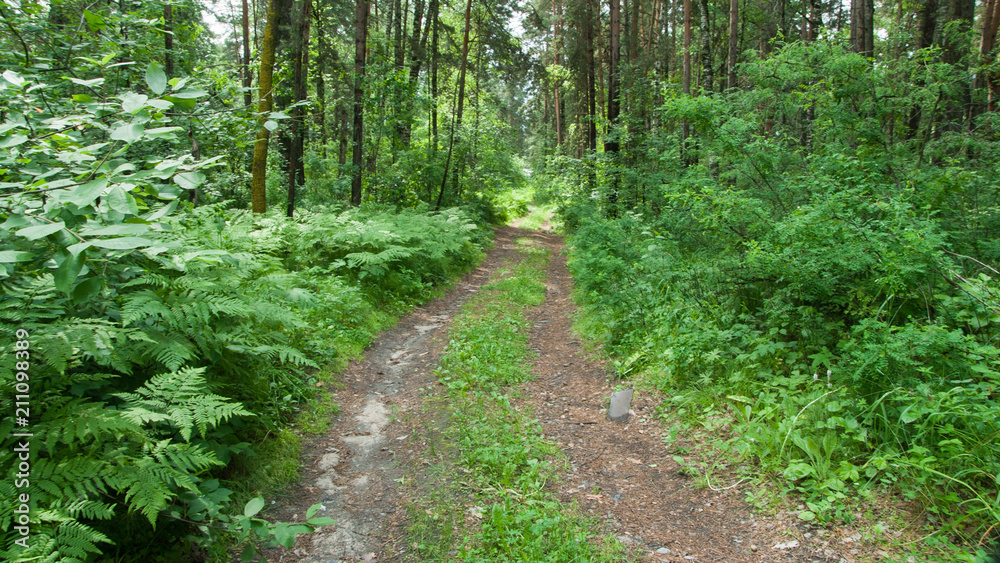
823	278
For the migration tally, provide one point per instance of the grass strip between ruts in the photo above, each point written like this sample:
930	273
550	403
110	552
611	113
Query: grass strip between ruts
494	505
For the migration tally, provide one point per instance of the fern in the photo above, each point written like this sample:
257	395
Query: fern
181	401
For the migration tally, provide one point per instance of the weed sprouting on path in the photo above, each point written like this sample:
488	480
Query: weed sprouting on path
497	507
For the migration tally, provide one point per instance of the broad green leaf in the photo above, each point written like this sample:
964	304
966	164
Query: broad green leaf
163	211
40	231
189	94
270	125
129	133
118	200
78	247
796	471
85	194
86	290
249	552
186	103
321	521
160	104
82	98
133	102
156	79
120	229
189	180
15	221
123	243
159	132
11	256
13	77
94	21
13	141
313	510
91	82
69	270
253	507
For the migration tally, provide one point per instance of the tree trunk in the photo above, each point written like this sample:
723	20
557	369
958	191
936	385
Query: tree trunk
434	79
734	38
360	55
954	47
707	73
258	194
247	78
168	39
863	27
555	86
300	57
991	21
614	107
686	79
457	122
591	79
611	144
926	27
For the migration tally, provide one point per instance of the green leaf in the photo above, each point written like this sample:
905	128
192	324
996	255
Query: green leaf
189	94
86	290
163	211
189	180
161	132
84	195
94	21
88	83
253	507
78	247
82	98
807	515
13	77
123	243
133	102
313	510
160	104
69	270
321	521
270	125
248	553
129	133
156	79
118	200
120	229
40	231
13	141
186	103
798	470
11	256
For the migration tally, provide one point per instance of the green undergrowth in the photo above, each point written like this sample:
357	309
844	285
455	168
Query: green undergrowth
496	507
166	379
865	415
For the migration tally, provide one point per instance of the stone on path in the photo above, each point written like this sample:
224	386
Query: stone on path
621	401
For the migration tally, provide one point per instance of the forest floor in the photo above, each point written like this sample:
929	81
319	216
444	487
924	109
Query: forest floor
376	459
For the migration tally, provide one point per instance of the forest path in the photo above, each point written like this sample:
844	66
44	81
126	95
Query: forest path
622	474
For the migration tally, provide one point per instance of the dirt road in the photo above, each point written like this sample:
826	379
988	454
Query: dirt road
623	474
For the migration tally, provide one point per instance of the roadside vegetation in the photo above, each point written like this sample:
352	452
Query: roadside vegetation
826	286
490	499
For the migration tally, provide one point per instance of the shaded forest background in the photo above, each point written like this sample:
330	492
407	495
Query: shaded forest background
783	214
